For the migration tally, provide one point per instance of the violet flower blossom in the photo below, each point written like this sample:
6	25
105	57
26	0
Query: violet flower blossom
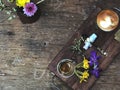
30	9
95	72
93	58
94	63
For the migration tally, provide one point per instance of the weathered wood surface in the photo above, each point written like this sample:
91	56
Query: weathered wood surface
105	41
27	49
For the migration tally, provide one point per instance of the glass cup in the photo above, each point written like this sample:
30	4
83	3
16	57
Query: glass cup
107	20
65	68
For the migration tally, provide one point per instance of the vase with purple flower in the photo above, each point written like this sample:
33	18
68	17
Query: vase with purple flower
29	11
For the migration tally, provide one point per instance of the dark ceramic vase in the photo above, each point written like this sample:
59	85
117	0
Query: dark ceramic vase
25	19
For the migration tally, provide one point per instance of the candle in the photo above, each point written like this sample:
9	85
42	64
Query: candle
107	20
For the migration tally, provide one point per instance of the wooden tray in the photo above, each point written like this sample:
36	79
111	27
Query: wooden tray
105	41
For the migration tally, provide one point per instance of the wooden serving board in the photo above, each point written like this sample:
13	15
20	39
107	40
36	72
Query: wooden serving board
105	41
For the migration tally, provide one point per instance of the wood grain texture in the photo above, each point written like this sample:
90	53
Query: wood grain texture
27	49
105	41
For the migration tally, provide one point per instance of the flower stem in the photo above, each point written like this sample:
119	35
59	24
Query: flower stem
79	65
39	1
76	73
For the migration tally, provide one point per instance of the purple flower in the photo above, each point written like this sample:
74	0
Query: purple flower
30	9
94	63
93	58
95	72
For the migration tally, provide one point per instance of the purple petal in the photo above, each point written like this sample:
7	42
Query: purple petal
98	57
95	72
96	63
93	53
91	63
30	9
94	57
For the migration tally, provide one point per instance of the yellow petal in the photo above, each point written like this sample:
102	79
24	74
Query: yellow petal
21	3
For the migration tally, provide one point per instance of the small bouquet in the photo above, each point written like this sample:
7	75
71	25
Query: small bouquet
81	70
87	67
28	7
94	64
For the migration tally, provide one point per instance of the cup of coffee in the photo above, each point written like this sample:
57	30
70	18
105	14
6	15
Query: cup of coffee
65	68
107	20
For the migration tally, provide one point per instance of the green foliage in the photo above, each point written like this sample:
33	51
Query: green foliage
10	11
76	46
10	0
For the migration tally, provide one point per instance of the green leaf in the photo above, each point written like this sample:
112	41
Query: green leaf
1	8
10	18
8	12
10	1
14	16
1	2
14	9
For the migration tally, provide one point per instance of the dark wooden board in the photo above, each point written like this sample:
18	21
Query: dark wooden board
105	41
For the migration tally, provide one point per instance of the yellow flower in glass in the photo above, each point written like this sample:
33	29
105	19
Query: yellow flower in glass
84	76
85	63
21	3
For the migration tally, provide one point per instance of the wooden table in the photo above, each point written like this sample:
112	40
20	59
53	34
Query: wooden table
27	49
105	41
